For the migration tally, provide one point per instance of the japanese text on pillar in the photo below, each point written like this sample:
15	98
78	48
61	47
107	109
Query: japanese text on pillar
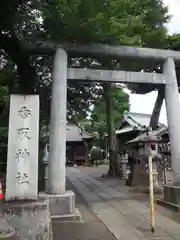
22	154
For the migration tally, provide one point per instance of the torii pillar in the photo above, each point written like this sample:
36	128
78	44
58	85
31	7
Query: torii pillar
172	193
173	116
62	202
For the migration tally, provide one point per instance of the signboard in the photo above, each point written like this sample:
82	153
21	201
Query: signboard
23	139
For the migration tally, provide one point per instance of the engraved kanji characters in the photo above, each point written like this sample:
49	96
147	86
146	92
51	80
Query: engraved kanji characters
24	133
24	112
22	178
22	154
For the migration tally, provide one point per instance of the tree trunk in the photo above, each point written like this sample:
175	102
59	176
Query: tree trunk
12	46
157	110
111	146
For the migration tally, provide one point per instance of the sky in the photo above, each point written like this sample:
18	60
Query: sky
145	103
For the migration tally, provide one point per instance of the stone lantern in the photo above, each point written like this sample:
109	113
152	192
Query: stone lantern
142	147
124	162
151	149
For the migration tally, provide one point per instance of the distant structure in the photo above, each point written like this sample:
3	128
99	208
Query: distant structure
78	144
132	125
131	138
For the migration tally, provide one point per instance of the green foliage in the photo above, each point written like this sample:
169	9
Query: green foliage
155	16
128	22
4	95
4	133
16	15
98	117
4	116
125	22
173	42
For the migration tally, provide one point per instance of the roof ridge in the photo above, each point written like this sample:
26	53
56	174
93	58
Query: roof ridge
83	131
136	123
144	114
133	115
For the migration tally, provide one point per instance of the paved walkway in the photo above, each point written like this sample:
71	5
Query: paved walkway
91	228
124	213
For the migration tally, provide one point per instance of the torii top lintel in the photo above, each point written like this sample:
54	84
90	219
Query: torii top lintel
104	50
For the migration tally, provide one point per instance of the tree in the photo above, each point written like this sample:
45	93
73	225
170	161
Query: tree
113	22
119	104
106	116
108	21
122	22
17	21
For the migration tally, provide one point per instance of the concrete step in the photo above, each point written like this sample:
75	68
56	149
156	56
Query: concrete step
73	217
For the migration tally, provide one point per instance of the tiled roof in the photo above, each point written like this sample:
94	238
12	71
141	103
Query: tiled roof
86	135
135	121
139	121
124	130
73	133
157	133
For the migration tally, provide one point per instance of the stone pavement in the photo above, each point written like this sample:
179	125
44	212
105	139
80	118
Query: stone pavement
124	213
91	228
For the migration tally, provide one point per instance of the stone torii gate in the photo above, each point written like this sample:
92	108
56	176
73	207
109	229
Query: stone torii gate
59	99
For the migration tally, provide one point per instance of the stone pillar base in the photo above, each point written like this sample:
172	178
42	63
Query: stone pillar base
171	197
62	206
30	220
106	161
